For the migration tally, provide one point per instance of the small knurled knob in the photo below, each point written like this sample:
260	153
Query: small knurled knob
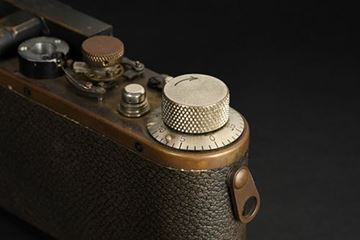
102	51
195	104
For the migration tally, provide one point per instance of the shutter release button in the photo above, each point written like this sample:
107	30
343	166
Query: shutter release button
134	102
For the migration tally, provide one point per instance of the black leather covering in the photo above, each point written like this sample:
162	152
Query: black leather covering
76	184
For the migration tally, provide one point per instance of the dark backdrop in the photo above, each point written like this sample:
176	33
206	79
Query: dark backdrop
292	70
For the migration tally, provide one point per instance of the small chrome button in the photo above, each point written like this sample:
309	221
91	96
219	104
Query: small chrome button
134	102
134	94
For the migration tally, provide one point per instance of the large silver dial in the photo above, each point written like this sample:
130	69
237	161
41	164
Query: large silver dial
195	103
195	115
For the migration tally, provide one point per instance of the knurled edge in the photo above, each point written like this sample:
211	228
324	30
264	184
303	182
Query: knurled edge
195	119
100	61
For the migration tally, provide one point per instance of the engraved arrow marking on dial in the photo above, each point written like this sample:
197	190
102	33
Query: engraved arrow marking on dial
191	78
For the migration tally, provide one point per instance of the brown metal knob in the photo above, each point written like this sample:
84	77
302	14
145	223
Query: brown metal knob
102	51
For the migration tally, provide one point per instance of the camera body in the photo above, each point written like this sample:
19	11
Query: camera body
96	146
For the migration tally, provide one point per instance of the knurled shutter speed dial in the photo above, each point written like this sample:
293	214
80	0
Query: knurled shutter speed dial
195	104
195	114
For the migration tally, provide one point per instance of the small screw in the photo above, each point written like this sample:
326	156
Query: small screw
138	66
89	84
168	138
109	73
138	147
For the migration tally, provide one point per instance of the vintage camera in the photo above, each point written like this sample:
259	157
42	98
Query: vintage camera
96	146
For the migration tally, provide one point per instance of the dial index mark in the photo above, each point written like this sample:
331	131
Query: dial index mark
191	78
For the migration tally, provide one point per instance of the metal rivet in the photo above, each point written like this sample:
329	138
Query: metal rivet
168	138
241	178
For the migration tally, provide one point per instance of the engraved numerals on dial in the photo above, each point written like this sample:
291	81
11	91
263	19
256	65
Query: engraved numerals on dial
196	142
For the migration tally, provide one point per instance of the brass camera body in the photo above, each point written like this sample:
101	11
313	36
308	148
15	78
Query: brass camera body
80	159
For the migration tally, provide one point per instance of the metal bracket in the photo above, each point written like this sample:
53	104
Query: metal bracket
85	87
106	74
133	68
245	196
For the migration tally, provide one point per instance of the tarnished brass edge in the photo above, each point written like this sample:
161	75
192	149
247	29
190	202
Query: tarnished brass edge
150	150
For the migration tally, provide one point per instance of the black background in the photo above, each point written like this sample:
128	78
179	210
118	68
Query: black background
293	71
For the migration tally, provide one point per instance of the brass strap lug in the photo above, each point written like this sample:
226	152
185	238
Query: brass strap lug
245	196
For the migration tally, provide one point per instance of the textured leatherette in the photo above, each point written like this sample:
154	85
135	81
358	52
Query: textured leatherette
73	183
